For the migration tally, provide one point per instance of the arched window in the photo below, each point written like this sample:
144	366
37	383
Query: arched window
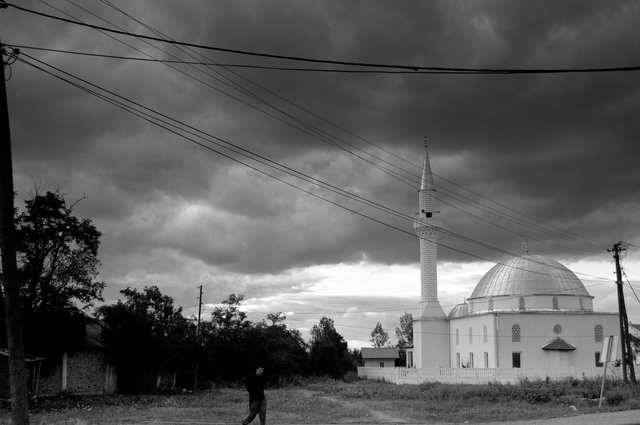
490	304
598	333
485	335
515	333
555	303
457	336
521	303
470	335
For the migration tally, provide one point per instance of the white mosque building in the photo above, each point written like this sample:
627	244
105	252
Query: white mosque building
526	312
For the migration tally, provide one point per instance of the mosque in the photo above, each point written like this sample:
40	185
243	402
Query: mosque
525	312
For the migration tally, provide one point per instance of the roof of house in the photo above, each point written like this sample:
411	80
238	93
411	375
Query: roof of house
27	357
379	353
558	344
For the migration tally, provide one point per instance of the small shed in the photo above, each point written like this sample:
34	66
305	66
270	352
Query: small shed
379	357
33	369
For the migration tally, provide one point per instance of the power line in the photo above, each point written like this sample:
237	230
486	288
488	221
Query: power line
159	119
414	68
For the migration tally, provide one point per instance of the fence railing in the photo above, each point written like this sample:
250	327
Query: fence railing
403	375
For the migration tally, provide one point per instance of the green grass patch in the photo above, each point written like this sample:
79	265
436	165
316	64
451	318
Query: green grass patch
321	400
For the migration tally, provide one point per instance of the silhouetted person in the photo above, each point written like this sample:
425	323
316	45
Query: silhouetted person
257	402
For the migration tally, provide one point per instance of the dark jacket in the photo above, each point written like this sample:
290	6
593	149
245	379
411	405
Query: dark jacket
255	385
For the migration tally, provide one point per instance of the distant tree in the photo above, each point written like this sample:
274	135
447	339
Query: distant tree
379	337
57	255
329	354
282	350
223	341
147	335
404	333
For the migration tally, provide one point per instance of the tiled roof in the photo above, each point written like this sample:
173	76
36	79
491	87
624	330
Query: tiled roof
558	344
379	353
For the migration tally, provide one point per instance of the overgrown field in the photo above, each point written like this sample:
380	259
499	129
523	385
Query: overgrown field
330	401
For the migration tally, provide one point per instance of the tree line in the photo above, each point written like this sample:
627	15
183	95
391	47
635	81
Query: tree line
146	334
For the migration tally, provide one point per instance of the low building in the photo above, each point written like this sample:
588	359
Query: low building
379	357
86	370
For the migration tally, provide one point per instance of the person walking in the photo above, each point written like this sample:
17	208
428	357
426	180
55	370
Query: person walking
257	402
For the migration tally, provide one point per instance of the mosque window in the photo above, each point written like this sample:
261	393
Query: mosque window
457	336
515	333
521	305
598	362
555	303
557	329
485	336
516	359
598	333
470	336
490	304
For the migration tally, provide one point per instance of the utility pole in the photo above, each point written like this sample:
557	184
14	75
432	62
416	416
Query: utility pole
15	335
624	322
195	379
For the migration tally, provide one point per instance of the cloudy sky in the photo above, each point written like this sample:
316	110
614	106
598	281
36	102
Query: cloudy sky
225	161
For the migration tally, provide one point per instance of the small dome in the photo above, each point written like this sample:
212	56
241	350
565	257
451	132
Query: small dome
529	275
461	310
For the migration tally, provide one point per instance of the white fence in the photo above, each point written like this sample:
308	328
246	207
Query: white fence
403	375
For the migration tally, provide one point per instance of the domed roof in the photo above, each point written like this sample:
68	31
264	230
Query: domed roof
529	275
461	310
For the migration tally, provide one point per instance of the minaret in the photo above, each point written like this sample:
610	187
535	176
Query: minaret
426	226
430	328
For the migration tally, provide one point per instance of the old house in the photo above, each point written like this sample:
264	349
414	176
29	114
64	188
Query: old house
85	370
379	357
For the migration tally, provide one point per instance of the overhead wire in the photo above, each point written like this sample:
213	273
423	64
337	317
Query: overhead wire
160	121
334	62
165	39
467	239
465	200
474	204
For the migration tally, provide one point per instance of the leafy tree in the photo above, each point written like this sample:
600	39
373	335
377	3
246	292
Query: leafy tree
147	336
329	354
379	337
404	333
282	350
57	255
223	340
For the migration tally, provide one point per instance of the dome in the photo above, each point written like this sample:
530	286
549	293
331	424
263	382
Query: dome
461	310
529	275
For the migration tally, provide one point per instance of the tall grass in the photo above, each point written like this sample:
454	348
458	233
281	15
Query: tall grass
324	400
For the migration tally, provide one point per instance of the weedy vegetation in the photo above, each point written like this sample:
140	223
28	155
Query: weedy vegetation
350	400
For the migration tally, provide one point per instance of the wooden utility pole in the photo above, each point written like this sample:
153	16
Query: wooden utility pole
195	379
11	288
625	341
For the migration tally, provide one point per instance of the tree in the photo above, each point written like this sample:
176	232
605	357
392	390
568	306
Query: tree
57	255
379	337
147	336
404	333
223	340
329	354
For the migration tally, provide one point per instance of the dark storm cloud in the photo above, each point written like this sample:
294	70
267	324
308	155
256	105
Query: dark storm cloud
560	148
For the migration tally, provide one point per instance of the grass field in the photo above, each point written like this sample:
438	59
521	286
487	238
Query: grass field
327	401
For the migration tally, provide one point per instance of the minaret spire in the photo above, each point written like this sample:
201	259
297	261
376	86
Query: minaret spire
426	226
430	327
